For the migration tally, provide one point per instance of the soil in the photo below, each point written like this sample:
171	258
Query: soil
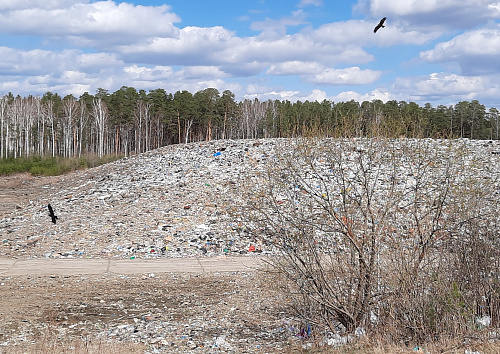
18	189
167	312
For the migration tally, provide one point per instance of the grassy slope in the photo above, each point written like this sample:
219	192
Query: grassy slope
50	166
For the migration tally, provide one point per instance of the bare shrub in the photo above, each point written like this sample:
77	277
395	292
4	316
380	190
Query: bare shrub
377	233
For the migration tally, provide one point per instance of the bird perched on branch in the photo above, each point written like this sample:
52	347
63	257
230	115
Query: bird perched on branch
380	24
51	213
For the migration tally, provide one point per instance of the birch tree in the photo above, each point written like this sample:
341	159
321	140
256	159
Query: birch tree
50	117
142	126
68	120
101	118
15	113
3	124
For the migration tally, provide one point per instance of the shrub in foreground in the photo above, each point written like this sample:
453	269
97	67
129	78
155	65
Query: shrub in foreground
398	237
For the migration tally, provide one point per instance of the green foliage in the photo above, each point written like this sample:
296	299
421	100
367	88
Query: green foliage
50	166
450	304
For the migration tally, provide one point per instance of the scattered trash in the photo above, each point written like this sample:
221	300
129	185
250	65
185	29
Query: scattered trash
484	321
360	332
136	207
305	332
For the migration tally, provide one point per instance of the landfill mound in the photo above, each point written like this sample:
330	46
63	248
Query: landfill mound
170	202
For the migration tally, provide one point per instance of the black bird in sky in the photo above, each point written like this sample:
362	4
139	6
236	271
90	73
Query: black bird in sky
51	213
380	24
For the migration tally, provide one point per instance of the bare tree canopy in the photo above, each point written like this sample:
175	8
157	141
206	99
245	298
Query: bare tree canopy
380	233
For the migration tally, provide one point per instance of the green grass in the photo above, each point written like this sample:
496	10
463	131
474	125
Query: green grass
50	166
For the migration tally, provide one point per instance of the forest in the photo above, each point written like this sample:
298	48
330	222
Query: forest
128	121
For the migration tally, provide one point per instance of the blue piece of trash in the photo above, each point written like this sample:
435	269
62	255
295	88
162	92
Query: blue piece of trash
218	153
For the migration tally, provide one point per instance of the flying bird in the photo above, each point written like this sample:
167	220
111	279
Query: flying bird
51	213
380	24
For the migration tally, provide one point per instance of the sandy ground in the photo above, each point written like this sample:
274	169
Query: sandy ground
170	312
18	189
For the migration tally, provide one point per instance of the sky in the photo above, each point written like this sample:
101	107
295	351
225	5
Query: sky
431	51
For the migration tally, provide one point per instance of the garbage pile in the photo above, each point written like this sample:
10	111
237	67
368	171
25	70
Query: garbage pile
171	202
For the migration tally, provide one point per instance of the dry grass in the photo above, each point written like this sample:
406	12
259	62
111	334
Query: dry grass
449	348
51	344
366	346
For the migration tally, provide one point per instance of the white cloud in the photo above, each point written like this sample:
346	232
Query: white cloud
476	51
42	62
348	76
70	71
429	15
412	7
316	95
271	28
29	4
304	3
273	95
376	94
101	22
360	33
244	56
190	78
192	46
38	85
200	72
437	86
295	67
138	73
263	93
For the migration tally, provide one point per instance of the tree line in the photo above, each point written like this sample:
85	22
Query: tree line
130	121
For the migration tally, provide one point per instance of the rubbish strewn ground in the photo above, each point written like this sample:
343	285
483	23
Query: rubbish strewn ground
167	312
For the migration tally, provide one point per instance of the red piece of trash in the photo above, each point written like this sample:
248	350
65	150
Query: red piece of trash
251	249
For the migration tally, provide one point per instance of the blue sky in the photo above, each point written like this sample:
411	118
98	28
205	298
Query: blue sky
436	51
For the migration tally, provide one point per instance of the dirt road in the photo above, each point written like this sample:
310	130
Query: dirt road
69	267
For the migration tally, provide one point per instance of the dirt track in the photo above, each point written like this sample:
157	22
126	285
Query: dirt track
68	267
